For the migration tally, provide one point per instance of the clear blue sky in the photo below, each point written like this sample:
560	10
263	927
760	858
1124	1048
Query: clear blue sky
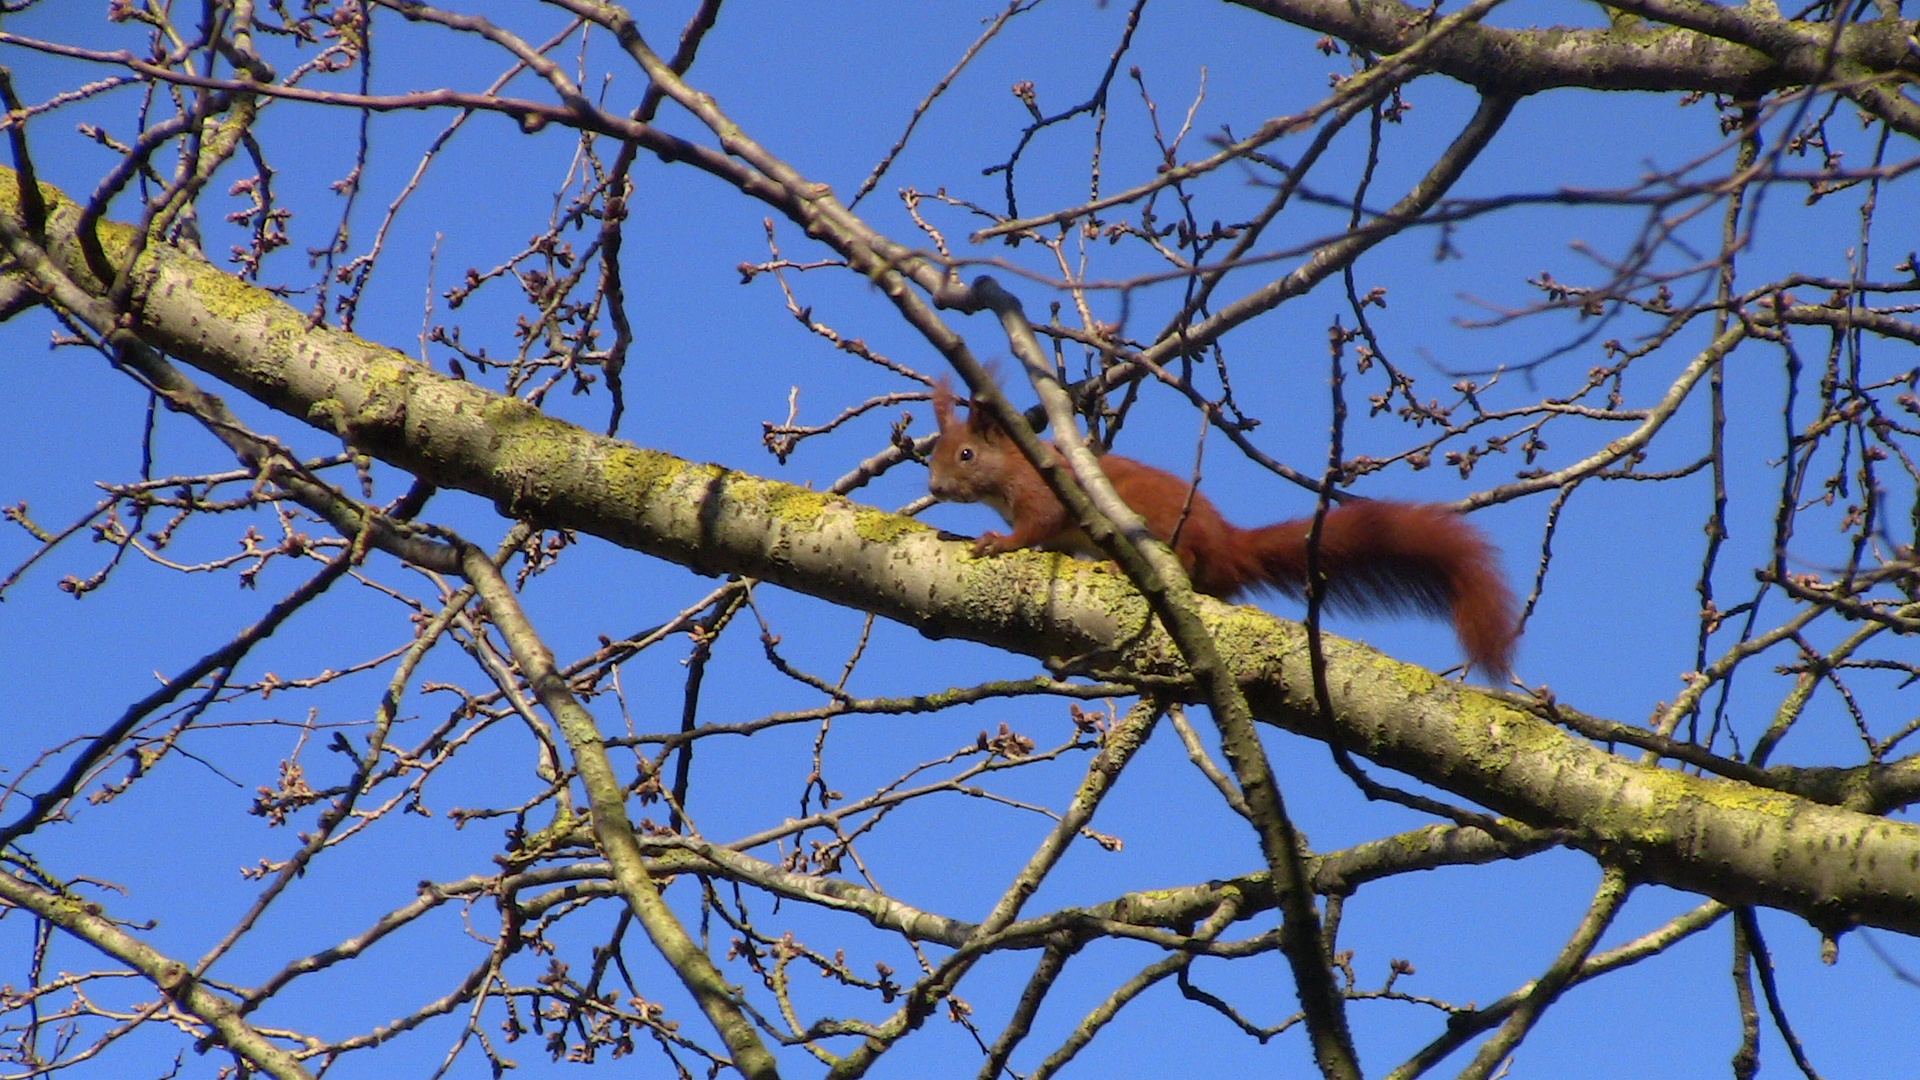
829	86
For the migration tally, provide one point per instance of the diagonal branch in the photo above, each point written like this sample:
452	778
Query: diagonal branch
173	977
1724	839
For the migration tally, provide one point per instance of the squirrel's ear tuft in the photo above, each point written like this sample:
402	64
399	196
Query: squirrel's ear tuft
982	422
943	402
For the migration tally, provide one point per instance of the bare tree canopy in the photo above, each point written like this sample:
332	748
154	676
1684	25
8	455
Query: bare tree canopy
532	740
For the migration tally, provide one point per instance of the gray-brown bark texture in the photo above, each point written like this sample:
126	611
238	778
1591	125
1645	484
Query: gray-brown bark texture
1738	842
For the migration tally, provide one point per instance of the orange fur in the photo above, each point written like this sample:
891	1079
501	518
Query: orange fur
1379	557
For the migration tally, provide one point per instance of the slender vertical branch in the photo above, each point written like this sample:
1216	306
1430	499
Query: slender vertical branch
606	795
1154	569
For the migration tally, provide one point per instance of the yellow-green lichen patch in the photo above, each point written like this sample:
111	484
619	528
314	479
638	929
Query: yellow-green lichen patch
503	412
1412	843
533	452
1665	802
1007	580
1253	636
1492	734
330	414
57	203
1101	581
636	476
790	504
1741	798
1415	681
116	239
231	300
1659	795
10	192
879	527
565	825
387	383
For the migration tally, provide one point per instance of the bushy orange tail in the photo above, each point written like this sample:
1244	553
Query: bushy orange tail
1382	557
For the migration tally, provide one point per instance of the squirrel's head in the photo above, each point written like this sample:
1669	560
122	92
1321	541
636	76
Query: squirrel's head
967	461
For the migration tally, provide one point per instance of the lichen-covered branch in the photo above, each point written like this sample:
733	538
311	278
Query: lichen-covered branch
1732	841
174	977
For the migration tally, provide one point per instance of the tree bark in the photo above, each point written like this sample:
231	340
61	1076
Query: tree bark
1736	842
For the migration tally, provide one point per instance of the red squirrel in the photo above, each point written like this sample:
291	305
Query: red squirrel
1378	556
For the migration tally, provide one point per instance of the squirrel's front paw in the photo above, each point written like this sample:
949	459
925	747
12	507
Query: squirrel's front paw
992	543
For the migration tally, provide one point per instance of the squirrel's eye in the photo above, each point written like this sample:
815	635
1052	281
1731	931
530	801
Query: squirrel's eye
966	453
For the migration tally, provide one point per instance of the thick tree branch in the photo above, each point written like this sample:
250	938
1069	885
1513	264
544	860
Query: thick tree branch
1706	47
1732	841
